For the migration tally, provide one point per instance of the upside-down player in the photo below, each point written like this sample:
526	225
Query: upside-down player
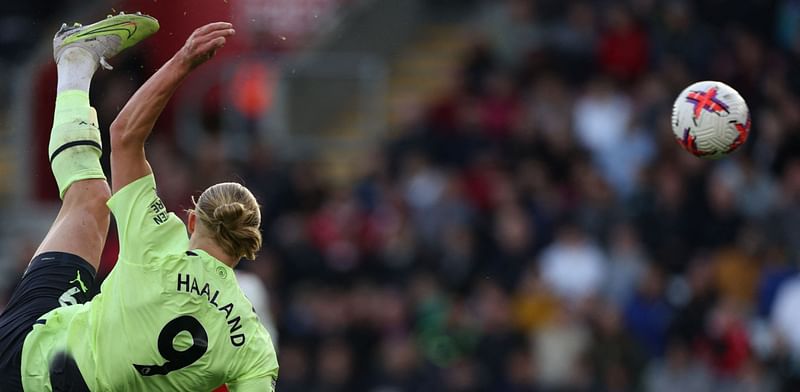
170	316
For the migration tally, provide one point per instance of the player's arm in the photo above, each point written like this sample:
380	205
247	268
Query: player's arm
254	385
145	227
133	125
255	369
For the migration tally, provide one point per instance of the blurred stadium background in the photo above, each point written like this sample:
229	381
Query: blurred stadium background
466	195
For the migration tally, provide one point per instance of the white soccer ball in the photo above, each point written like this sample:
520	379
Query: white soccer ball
710	119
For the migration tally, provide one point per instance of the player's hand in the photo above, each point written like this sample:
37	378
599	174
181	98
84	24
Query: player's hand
204	43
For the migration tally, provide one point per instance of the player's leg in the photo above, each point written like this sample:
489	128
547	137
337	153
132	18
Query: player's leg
62	271
82	223
78	232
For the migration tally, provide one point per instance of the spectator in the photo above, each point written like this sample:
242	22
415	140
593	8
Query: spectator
678	371
334	367
623	48
602	117
399	367
512	29
616	358
295	372
627	264
785	317
648	315
573	266
558	350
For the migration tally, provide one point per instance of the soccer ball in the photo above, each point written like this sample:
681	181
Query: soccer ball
710	119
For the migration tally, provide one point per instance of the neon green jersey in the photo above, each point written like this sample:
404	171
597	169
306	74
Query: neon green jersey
167	319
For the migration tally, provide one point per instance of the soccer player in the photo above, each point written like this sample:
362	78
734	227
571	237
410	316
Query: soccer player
170	316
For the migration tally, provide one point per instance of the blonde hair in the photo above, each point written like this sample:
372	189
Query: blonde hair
232	215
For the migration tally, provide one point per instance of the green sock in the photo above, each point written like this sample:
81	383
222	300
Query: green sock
75	146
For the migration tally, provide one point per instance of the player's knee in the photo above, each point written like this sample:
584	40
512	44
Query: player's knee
95	206
116	131
120	137
88	195
115	127
100	195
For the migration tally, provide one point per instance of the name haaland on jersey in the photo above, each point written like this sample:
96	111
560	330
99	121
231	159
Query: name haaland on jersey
188	284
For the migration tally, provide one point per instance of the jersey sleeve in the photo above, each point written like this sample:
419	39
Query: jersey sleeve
144	226
253	385
257	368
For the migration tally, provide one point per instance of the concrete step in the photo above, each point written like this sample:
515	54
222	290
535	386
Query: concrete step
423	70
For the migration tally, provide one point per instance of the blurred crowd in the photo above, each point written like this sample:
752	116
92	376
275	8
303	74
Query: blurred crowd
536	227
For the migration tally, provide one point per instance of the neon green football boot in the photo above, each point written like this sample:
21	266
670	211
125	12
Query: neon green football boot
105	38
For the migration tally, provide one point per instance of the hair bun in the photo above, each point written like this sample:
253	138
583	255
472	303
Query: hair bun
229	215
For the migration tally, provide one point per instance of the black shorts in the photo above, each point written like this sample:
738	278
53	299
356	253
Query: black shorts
53	279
